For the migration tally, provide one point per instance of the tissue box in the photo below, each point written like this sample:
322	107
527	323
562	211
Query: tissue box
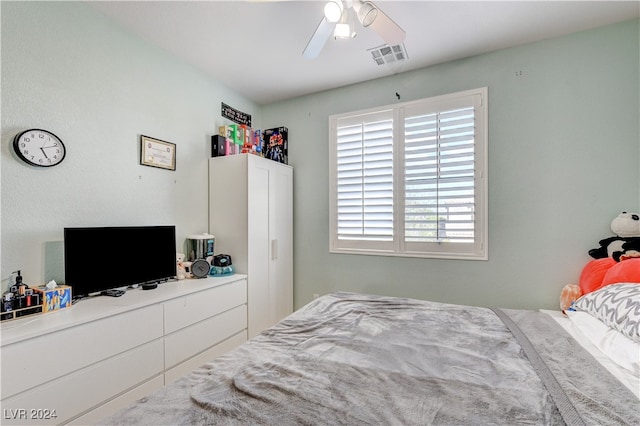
54	299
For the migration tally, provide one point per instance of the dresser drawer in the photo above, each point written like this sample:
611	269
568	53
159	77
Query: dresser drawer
187	310
31	362
85	389
119	402
202	358
185	343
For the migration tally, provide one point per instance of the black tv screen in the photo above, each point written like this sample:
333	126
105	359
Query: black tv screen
104	258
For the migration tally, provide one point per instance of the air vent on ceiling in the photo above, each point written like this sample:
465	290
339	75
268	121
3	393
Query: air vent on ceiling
386	54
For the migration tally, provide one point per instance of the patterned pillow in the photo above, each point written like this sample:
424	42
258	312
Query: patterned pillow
616	305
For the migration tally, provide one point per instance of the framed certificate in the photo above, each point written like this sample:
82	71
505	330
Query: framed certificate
157	153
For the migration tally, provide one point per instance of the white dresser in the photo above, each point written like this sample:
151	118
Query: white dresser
80	364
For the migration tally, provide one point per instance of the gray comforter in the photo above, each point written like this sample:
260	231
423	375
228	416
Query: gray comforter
356	359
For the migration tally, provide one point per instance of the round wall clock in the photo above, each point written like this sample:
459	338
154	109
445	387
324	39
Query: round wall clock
39	148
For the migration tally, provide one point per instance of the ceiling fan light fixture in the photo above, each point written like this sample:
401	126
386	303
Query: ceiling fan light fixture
345	28
367	13
342	31
340	20
333	10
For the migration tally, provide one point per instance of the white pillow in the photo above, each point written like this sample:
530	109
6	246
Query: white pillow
617	305
618	347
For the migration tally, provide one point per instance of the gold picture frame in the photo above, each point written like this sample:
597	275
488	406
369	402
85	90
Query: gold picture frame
157	153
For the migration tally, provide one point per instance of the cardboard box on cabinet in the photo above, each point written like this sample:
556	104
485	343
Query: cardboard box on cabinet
276	142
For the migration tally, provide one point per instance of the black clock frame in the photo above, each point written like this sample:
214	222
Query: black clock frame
16	148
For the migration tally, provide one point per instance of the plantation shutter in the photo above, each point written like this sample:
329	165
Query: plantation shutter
364	170
409	179
439	181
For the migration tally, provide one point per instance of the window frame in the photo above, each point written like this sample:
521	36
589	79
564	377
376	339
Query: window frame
478	250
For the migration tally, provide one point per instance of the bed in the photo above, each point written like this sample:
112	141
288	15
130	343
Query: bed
360	359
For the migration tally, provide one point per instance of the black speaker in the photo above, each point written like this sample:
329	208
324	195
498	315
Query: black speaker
200	268
218	146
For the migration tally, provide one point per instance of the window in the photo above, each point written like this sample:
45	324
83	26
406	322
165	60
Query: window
410	179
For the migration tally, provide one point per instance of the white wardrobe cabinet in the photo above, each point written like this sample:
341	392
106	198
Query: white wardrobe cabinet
251	216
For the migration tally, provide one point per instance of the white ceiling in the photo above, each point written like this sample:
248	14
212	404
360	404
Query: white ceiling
255	47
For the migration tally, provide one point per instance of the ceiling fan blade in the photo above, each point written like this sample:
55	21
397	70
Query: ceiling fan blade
318	39
386	28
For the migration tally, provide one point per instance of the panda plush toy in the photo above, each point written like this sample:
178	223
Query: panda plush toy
626	226
631	249
617	260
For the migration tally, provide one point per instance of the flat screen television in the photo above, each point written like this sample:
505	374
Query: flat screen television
97	259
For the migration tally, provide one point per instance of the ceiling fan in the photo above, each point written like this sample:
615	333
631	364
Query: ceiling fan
338	20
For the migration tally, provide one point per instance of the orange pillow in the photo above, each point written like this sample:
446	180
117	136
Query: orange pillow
627	271
593	274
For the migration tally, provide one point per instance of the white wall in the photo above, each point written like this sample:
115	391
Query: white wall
563	162
67	69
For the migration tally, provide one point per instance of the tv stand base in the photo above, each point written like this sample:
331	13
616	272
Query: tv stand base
113	293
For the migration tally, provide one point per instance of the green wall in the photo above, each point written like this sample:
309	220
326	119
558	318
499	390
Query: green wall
564	160
564	153
68	69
